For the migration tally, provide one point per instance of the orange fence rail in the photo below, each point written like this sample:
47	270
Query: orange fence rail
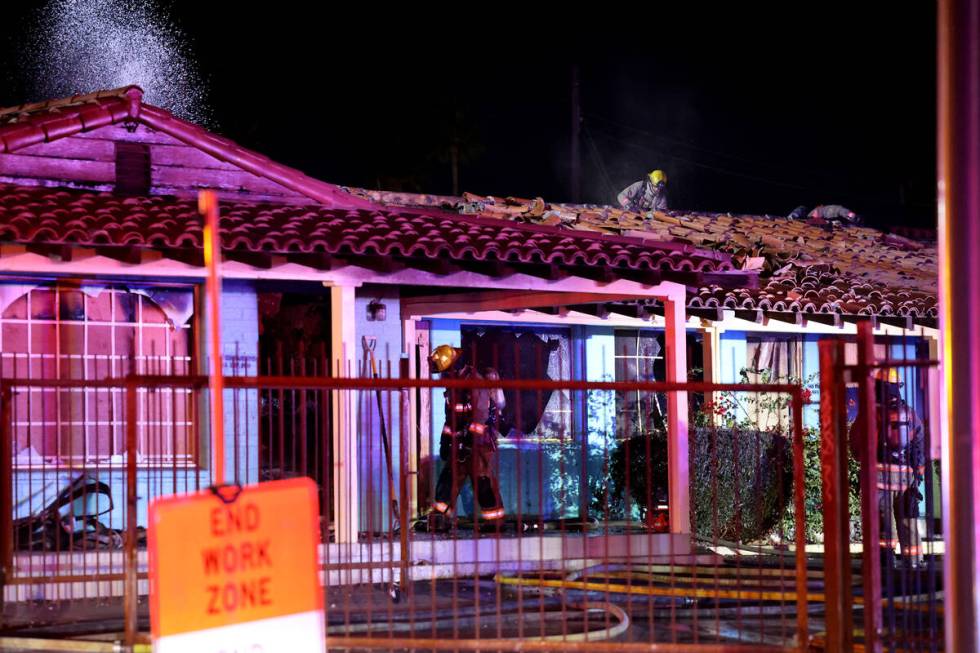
557	535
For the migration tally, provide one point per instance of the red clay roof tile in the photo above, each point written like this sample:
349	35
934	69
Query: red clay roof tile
815	268
41	215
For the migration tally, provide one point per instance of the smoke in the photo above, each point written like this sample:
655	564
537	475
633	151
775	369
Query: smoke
80	46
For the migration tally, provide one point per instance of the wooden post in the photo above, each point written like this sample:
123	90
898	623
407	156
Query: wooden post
6	492
131	584
836	518
711	354
208	206
675	339
409	415
344	428
934	400
422	440
870	527
799	513
958	184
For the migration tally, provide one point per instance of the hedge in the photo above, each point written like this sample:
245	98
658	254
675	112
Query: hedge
741	480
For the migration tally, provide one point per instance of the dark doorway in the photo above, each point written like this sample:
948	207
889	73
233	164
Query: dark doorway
294	425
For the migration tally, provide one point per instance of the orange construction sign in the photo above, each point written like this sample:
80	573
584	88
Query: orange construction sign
236	569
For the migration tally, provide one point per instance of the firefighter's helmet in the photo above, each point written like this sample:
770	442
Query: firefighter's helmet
658	177
444	357
888	384
887	375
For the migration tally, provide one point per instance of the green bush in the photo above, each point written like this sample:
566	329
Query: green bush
741	483
632	478
813	493
741	477
741	480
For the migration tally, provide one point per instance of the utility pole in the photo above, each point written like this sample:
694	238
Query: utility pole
454	147
959	303
575	163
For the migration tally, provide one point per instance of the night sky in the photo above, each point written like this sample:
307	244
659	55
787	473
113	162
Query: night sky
747	110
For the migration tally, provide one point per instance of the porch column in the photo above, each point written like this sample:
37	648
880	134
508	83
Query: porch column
934	403
711	348
677	446
343	348
711	354
410	460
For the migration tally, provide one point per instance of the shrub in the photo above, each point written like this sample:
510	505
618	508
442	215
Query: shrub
741	476
813	494
741	480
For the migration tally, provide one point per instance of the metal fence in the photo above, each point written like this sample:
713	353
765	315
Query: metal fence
880	459
557	535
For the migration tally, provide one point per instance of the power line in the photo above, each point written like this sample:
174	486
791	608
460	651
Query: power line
718	153
668	139
863	197
598	159
728	171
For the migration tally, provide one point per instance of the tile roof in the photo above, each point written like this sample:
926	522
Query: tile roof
806	266
51	218
44	122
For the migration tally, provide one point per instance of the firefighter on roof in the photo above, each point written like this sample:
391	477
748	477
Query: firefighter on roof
648	194
468	443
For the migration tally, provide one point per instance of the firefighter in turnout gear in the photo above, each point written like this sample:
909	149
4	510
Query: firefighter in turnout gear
648	194
468	443
900	466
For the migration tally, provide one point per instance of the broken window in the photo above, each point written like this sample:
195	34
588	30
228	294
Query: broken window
93	332
535	353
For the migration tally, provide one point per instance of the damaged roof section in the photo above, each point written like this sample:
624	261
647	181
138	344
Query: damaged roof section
53	221
806	267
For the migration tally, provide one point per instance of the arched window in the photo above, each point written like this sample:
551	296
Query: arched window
80	332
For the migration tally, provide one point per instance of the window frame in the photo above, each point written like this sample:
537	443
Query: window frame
194	453
618	356
568	410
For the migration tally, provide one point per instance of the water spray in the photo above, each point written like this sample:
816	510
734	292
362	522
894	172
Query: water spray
80	46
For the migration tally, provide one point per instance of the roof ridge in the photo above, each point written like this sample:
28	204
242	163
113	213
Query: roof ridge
44	122
74	100
250	160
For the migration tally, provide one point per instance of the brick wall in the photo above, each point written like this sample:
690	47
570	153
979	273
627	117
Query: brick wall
240	342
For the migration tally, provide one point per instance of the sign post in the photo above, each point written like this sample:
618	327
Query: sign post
207	202
234	570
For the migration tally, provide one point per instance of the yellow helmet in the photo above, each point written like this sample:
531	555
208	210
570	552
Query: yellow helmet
443	357
658	177
886	375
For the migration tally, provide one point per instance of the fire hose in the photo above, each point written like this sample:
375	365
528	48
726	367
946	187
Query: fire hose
529	619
